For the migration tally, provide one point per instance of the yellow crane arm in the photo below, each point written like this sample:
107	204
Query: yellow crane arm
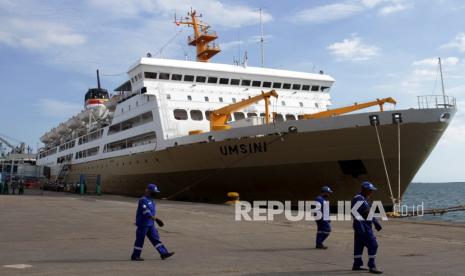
348	109
219	117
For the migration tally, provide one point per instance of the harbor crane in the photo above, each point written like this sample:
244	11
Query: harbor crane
14	149
219	117
348	109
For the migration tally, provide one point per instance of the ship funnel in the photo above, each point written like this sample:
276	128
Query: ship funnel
98	80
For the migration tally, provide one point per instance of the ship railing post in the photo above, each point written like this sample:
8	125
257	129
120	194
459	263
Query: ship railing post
98	189
82	183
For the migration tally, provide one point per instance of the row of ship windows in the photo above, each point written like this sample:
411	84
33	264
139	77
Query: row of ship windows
130	123
197	115
227	81
233	100
143	139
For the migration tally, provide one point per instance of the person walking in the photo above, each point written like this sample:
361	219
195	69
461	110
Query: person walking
363	232
145	218
323	224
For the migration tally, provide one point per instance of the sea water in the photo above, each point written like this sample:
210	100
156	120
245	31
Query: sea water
437	195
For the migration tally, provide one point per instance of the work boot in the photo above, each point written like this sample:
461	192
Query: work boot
167	255
137	259
375	271
320	246
358	268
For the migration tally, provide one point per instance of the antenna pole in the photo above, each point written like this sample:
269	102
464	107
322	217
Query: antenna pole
262	51
98	80
442	81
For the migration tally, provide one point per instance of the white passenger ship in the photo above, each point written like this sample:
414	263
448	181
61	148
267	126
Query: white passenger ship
200	130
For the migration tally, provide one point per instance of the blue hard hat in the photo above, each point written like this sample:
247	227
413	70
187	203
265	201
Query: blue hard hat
153	188
326	189
369	186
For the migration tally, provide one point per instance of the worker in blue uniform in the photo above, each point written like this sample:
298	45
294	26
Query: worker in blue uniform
145	218
323	224
363	231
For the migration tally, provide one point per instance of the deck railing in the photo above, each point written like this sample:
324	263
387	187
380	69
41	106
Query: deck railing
436	101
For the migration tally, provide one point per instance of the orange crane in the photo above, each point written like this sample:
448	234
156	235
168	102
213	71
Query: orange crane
348	109
202	36
219	117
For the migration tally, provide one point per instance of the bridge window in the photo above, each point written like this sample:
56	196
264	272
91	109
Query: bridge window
287	86
276	85
188	78
207	115
296	86
256	83
196	115
290	117
212	80
239	116
200	79
176	77
224	80
306	87
325	88
266	84
245	82
235	81
180	114
164	76
150	75
251	114
315	88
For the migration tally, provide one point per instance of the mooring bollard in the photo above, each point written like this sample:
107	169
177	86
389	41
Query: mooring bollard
98	189
233	198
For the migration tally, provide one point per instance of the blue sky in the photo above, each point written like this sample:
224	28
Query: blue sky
49	51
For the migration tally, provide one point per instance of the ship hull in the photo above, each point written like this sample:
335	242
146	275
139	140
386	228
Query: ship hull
285	166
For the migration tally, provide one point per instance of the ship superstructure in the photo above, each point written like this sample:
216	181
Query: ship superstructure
157	128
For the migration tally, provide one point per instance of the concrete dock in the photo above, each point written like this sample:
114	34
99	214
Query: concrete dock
57	234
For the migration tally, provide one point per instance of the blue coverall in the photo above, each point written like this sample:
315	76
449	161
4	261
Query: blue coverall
323	226
363	233
145	227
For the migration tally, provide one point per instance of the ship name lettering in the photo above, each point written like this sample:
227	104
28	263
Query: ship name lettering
243	148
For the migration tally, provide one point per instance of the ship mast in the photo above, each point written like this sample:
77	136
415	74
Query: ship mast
442	81
202	37
262	40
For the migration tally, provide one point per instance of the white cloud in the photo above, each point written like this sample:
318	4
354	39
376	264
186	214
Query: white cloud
326	13
35	34
395	6
217	13
109	34
56	108
349	8
457	43
448	61
353	49
225	46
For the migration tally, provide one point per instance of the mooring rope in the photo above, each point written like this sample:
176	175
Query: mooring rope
384	165
398	162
